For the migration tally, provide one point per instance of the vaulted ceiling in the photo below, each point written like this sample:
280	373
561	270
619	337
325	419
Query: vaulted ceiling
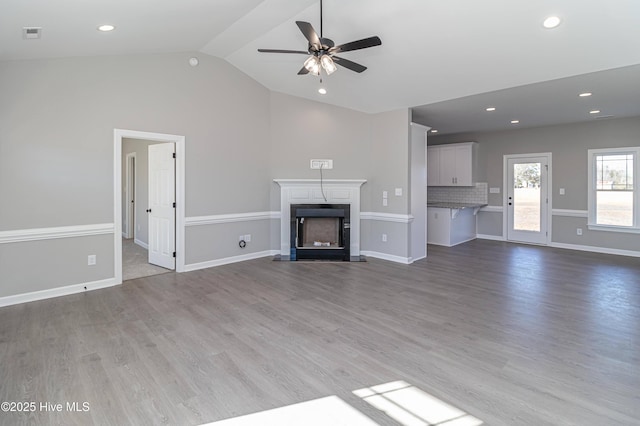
432	51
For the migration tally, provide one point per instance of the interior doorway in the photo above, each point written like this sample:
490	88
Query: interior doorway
148	208
141	228
527	198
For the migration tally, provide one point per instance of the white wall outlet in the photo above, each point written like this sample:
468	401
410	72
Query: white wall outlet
385	202
247	238
579	231
494	190
91	259
398	192
561	191
324	164
385	194
384	238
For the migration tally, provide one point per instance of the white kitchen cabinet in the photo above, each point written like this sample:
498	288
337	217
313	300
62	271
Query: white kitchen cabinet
433	166
452	164
449	227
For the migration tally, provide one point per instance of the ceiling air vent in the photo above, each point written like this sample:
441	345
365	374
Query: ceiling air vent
31	33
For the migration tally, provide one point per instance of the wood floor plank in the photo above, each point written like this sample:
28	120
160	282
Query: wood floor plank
510	334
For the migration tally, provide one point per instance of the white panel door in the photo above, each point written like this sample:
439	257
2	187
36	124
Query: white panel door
162	196
527	199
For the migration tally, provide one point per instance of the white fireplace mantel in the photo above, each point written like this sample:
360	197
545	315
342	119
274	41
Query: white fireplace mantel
309	191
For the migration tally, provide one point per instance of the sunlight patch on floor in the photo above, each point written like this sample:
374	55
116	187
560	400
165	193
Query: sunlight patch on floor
330	410
411	406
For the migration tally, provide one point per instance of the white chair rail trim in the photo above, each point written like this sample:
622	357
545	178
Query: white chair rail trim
229	218
386	217
37	234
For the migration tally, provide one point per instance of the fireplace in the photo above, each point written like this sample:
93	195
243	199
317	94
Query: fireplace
320	232
312	192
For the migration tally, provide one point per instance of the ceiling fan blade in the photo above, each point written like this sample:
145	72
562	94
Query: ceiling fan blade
356	45
310	34
303	71
348	64
282	51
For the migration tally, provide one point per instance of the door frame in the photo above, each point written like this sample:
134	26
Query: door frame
505	193
179	141
130	193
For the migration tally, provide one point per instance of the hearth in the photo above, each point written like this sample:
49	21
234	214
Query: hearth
320	232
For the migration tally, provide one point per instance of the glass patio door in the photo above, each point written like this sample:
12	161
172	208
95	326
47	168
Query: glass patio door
527	199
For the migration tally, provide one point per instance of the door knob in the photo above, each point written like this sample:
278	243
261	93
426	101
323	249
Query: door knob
148	210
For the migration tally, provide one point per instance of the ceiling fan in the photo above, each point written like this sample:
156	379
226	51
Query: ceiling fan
322	51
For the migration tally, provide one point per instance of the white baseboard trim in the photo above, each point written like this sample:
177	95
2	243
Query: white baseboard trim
491	237
56	292
36	234
569	213
228	260
385	256
492	209
593	249
141	244
229	218
386	217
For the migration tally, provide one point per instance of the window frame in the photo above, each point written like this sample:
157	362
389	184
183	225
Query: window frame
592	188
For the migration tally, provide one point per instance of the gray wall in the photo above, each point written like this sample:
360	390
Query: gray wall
363	146
56	150
57	118
568	145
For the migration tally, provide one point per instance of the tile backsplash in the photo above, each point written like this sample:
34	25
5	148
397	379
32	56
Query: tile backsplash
477	194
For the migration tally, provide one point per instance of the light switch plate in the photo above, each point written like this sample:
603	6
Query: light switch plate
398	192
494	190
561	191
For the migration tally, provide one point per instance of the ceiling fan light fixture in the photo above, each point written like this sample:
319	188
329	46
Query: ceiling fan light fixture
328	64
312	64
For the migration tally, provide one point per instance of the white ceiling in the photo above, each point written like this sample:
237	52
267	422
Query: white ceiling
432	50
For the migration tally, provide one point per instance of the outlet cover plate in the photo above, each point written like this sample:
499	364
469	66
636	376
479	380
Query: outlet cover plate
325	164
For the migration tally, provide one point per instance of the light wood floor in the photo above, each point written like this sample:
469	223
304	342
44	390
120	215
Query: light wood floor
511	334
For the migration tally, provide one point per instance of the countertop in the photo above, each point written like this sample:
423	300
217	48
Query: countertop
449	205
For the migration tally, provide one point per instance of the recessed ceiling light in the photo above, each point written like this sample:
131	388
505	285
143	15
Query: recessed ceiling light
515	121
585	94
595	111
106	28
434	130
491	109
551	22
322	91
